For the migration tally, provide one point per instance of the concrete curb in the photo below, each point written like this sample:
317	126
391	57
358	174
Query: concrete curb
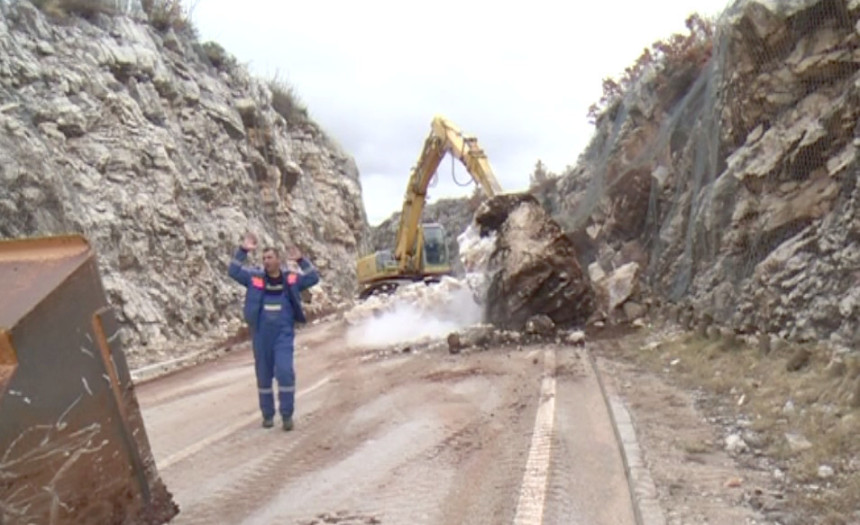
156	370
643	492
642	488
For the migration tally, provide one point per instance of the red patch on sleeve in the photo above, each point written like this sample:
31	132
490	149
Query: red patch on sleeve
292	278
257	282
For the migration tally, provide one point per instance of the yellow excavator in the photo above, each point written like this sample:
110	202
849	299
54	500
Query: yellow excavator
420	252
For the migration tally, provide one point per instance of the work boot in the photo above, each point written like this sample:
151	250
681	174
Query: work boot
268	422
288	424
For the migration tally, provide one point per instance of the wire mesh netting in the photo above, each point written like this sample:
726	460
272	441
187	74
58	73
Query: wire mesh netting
724	162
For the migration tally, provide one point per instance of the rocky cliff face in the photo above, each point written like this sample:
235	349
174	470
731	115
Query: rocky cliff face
163	151
721	180
727	171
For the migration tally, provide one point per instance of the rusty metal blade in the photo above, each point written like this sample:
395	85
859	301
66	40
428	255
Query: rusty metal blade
8	361
73	445
119	405
31	269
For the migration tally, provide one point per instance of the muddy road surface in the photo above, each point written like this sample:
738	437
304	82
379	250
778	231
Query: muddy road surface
499	436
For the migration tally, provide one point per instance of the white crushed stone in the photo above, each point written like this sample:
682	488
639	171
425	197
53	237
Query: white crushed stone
419	313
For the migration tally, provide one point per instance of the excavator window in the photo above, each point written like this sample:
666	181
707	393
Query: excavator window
435	251
384	259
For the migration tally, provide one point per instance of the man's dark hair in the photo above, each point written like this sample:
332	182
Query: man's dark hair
273	250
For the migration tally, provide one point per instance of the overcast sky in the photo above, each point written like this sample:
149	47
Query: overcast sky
374	73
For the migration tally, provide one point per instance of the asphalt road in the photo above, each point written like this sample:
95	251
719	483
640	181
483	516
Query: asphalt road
499	436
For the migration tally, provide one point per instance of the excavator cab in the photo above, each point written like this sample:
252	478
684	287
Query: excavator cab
381	273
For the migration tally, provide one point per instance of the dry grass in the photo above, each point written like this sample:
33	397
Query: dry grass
169	14
162	14
286	102
84	8
815	402
215	54
696	446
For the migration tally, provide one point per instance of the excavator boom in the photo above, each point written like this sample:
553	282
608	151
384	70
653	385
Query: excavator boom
444	137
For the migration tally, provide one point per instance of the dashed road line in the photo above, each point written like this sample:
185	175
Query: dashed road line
532	500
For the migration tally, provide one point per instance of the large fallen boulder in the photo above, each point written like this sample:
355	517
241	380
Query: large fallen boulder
617	293
533	269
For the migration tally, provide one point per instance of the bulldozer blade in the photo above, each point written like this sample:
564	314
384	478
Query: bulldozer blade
73	446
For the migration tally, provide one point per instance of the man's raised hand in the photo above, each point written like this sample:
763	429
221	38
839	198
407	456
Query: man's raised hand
293	253
249	244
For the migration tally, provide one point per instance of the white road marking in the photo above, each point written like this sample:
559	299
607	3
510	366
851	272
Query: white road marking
530	506
226	431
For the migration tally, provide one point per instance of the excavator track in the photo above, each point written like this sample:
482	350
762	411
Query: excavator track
390	287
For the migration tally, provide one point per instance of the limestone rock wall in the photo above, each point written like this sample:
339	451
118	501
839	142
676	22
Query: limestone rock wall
163	151
728	175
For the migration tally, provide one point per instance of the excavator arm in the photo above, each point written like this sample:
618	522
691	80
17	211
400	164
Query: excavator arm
444	138
420	253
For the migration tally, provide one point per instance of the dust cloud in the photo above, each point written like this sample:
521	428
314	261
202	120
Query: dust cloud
418	312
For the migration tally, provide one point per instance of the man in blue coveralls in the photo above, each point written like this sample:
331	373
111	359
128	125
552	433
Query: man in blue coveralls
272	306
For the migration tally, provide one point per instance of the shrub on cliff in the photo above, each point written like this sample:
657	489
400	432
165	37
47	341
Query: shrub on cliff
169	14
286	102
162	14
675	54
84	8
